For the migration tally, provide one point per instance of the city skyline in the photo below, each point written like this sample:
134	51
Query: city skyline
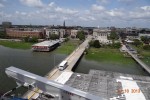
102	13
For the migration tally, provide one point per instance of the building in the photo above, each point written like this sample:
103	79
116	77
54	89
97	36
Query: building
132	33
96	85
102	35
144	32
60	32
21	33
74	33
51	31
45	45
6	24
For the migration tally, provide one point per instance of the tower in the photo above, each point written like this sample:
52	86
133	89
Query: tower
64	24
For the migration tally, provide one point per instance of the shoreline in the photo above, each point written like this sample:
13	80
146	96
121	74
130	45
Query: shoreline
16	44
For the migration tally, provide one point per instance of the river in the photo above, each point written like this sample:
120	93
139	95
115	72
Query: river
42	62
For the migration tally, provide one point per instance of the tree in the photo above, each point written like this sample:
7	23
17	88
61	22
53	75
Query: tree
113	36
30	39
91	43
116	45
2	34
146	47
33	39
136	42
54	36
66	35
96	44
81	35
66	39
145	39
26	39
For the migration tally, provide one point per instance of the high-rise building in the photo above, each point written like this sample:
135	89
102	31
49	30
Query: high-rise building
6	24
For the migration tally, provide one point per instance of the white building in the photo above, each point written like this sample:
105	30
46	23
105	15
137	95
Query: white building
74	33
144	34
60	32
102	35
51	31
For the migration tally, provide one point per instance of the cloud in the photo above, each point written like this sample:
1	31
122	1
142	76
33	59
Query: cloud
103	1
145	8
126	1
95	14
87	18
115	13
51	4
97	8
1	5
65	11
32	3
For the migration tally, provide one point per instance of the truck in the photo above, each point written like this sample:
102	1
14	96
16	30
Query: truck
63	65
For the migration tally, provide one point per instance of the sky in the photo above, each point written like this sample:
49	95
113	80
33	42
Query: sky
102	13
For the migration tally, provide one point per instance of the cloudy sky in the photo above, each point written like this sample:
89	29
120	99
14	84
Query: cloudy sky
103	13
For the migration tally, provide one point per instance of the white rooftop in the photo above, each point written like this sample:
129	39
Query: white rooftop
47	43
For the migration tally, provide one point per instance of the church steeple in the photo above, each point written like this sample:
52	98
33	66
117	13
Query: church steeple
64	24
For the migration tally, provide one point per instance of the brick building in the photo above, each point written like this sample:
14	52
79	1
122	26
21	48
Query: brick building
20	33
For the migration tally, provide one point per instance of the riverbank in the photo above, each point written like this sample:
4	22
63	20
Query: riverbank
144	53
108	55
16	45
68	47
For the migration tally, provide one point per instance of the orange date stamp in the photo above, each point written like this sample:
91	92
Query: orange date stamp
122	91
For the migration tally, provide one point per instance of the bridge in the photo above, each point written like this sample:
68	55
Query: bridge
57	90
56	75
135	57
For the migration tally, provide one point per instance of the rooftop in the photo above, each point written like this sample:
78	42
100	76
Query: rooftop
107	85
47	43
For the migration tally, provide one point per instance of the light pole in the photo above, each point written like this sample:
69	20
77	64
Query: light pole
54	60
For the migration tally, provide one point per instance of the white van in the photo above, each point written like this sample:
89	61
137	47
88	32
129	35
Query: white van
62	65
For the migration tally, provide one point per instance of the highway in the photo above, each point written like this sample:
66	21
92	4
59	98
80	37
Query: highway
57	75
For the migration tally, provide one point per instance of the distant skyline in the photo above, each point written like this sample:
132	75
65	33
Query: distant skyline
102	13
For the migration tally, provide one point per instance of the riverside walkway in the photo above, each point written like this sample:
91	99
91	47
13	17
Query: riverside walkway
135	57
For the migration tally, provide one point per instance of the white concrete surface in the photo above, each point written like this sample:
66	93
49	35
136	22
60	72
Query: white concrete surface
64	77
130	84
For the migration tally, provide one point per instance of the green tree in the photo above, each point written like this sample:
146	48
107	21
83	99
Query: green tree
81	35
91	43
2	34
146	47
66	39
33	39
26	39
116	45
113	36
136	42
30	39
145	39
66	35
96	44
54	36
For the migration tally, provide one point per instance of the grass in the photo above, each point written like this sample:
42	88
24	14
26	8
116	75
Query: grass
68	47
16	45
144	53
108	55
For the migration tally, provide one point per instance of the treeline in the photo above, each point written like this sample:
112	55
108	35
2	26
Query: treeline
97	44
